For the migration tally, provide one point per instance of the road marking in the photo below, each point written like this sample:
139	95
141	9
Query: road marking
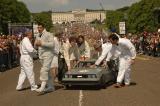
80	98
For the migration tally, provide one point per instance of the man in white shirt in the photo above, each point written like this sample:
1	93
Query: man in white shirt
104	49
26	62
126	54
45	44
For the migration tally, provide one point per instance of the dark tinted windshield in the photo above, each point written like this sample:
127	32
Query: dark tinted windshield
84	64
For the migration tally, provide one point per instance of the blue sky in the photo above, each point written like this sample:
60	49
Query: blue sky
66	5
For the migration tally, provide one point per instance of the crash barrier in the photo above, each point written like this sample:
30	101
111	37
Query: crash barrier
8	59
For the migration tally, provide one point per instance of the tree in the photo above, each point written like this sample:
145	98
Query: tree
113	18
140	16
124	9
44	18
14	11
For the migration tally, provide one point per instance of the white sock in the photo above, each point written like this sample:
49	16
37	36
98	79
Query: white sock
43	85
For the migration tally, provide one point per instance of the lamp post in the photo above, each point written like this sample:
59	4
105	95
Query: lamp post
156	13
9	28
1	25
125	20
32	22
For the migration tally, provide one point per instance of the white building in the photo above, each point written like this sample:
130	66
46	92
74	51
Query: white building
82	16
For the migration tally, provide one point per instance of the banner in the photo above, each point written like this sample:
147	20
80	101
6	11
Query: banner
122	28
19	29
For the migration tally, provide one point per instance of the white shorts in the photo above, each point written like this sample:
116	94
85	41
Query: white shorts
54	62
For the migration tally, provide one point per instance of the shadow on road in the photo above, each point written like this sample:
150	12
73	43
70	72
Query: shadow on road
133	84
26	88
78	87
97	87
44	93
88	87
57	87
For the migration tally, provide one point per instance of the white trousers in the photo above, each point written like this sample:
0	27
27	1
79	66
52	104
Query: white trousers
54	62
26	63
46	67
45	74
124	70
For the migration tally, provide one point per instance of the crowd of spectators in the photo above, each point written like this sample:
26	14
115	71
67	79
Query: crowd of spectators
9	51
147	43
91	34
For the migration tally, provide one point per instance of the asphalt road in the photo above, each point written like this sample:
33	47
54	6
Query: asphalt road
144	91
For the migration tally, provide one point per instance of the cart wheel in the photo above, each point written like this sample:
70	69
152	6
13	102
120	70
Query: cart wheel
67	86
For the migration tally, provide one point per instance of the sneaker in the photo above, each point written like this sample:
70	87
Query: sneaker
18	89
33	88
45	90
126	85
39	90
